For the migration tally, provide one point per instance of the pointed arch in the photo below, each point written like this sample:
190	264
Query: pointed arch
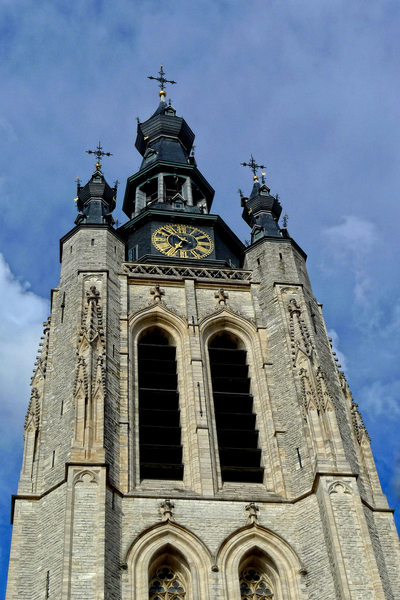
176	545
244	333
176	461
267	550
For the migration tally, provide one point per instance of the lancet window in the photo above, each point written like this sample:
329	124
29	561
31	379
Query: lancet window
159	418
166	584
254	585
239	454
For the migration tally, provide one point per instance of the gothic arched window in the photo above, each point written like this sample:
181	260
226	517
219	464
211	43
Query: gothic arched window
254	585
239	454
159	424
166	584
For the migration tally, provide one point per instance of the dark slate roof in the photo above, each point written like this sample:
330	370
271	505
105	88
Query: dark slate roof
172	134
96	200
260	200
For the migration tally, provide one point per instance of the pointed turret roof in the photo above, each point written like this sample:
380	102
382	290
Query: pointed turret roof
165	133
96	200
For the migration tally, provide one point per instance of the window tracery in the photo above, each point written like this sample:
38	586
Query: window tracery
254	585
166	584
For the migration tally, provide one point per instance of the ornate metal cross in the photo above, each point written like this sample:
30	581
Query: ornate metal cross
253	165
161	79
99	153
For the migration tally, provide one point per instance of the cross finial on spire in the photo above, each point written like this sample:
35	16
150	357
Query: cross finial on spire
253	166
99	153
162	81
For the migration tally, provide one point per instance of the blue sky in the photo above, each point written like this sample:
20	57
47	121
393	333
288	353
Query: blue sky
309	88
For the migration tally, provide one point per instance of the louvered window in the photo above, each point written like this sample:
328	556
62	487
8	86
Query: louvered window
159	426
239	454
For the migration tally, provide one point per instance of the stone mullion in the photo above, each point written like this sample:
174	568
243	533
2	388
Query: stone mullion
203	469
266	416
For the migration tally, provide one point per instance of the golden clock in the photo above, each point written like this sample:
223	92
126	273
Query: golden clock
182	241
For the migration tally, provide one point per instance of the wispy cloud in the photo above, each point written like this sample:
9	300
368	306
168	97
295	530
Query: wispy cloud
350	246
22	316
335	347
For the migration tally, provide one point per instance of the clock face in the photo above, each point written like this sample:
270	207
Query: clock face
182	241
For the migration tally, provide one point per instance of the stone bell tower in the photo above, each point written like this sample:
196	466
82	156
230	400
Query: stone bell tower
189	433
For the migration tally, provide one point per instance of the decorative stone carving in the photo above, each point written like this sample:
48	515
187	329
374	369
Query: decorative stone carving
143	308
157	294
360	430
89	391
86	477
225	308
33	413
166	509
310	400
252	510
324	396
221	296
192	272
299	335
339	487
43	352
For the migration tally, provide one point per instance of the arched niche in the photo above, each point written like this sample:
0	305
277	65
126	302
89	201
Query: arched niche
266	550
180	548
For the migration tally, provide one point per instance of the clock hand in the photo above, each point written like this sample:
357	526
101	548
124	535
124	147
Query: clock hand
179	244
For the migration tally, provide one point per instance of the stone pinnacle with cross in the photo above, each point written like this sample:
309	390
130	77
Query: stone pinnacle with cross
98	153
253	166
162	81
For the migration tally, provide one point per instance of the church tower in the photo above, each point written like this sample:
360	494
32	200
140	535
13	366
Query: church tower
190	434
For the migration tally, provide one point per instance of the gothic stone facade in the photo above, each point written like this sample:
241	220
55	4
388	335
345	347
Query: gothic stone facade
305	519
87	527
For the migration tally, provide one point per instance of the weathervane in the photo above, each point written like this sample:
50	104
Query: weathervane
253	166
99	153
162	81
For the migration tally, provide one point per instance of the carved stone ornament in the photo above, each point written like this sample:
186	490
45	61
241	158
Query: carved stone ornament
221	296
212	312
152	305
339	487
359	428
157	294
33	413
252	510
299	334
43	352
166	509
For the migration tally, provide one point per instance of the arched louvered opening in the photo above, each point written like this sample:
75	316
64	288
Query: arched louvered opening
159	428
239	454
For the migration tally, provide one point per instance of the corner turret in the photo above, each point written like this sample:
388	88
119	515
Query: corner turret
96	200
261	211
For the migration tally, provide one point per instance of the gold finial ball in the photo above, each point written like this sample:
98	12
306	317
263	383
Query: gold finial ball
98	165
162	93
255	178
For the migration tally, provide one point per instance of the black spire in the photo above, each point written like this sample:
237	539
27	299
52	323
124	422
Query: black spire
261	211
96	200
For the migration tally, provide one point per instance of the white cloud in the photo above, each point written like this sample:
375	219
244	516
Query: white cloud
21	324
379	398
335	347
350	246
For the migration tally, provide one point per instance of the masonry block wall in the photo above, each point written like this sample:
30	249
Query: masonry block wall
87	526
